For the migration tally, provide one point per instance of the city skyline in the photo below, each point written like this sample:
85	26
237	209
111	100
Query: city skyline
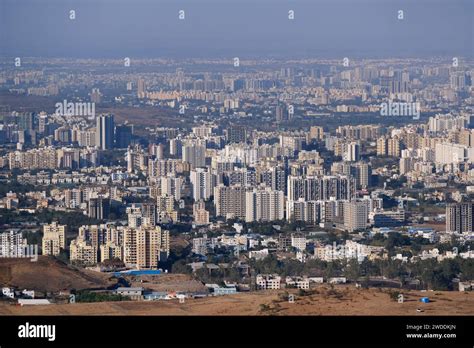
237	159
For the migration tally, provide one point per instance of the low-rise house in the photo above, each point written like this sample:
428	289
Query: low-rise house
466	286
225	290
297	282
7	292
28	293
222	290
133	293
317	280
258	254
155	295
229	284
31	302
198	294
268	282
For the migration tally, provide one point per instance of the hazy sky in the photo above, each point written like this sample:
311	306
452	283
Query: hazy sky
217	28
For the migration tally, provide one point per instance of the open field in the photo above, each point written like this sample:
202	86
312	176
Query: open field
143	116
340	300
167	283
146	116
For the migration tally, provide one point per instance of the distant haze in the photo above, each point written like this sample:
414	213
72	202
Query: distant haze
243	28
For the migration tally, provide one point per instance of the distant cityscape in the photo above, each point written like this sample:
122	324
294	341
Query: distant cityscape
243	175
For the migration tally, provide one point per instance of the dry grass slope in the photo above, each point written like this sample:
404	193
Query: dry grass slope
342	300
47	274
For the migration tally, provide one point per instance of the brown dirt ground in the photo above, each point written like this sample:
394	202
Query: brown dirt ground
343	300
48	274
168	283
145	116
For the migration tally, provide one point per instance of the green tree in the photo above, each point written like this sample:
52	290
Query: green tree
180	266
352	270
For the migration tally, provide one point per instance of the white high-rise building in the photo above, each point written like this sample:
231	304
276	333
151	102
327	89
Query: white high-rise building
264	205
171	186
202	131
313	188
406	165
450	153
12	244
355	215
104	133
352	152
301	210
201	183
230	201
441	123
176	147
194	154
